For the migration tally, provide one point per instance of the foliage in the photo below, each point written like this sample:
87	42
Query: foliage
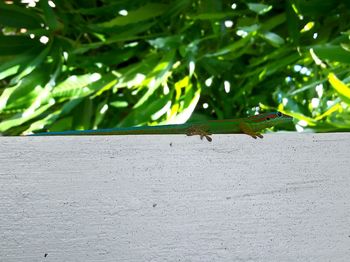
102	63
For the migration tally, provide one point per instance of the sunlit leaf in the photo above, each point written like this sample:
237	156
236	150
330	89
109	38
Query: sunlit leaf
188	109
100	113
142	115
22	118
53	120
157	76
342	89
273	39
80	85
119	104
26	91
32	65
14	65
259	8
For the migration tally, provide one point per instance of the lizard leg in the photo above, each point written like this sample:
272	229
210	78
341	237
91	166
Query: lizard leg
249	131
193	131
259	135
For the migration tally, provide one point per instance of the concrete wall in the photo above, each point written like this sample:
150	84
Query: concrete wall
175	198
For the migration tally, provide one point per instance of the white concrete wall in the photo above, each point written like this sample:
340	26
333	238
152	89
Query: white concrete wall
175	198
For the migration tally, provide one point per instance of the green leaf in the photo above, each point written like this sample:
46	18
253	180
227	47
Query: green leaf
17	63
232	48
54	121
21	118
119	104
316	7
5	96
142	115
62	124
191	101
100	113
148	11
14	16
273	22
74	86
31	66
82	121
342	89
259	8
293	24
129	33
50	16
107	9
157	76
134	74
215	66
332	53
25	92
16	44
214	16
274	39
166	43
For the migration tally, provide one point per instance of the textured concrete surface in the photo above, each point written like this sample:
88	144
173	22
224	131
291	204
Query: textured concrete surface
175	198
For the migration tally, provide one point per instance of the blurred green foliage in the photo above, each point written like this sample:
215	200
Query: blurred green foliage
89	64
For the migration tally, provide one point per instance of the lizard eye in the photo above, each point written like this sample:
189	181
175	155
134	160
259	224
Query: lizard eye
279	114
267	118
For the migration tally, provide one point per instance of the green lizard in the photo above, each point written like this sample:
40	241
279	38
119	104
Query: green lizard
251	126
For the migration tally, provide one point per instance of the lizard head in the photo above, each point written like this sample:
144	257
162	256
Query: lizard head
270	119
